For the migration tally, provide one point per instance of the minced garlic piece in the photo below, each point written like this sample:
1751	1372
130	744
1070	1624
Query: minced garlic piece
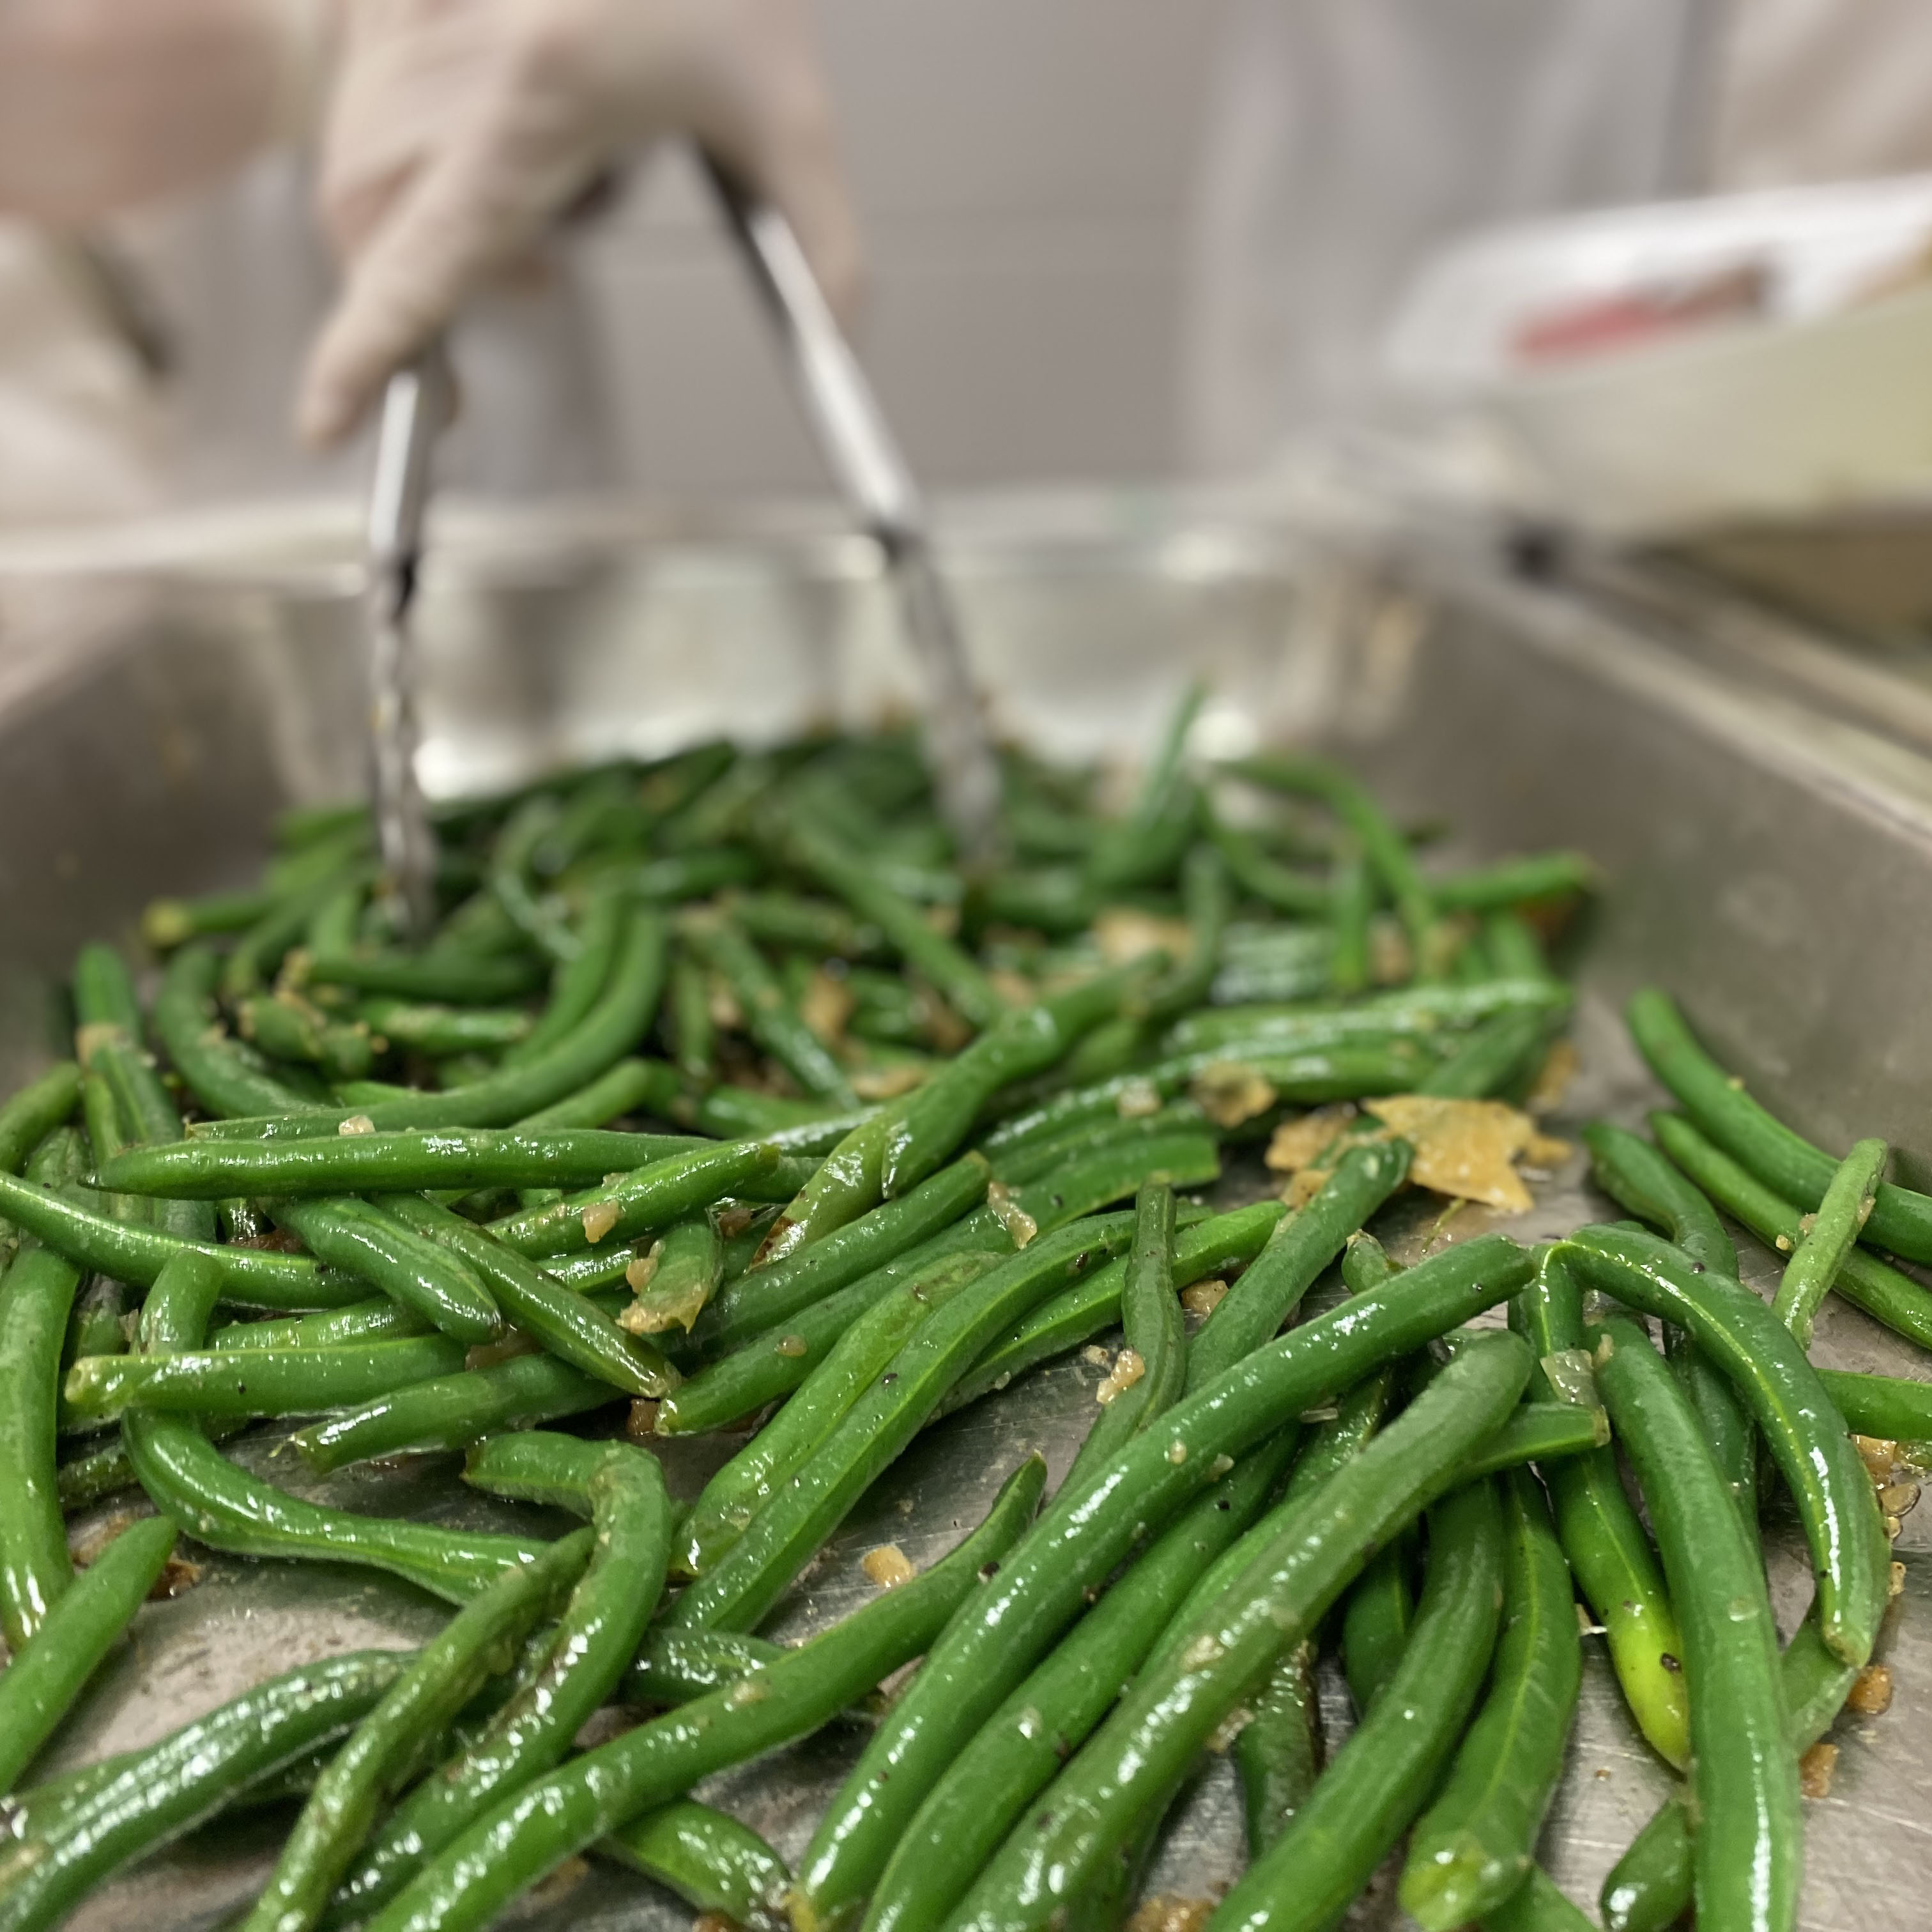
599	1218
1128	1369
887	1566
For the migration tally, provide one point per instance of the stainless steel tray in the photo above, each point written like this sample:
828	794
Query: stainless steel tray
1768	855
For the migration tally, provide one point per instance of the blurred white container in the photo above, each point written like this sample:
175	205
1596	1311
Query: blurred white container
1823	399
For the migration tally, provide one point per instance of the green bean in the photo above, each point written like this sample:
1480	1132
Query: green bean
735	1113
621	1015
452	1411
1386	850
253	959
256	1382
1383	1774
769	1016
187	1478
1412	1012
666	881
394	1742
1309	1554
1842	1211
1302	1245
168	923
85	1478
36	1293
376	1320
1500	1052
360	1240
358	1163
285	1026
1061	900
1602	1537
97	1325
50	1669
577	983
1297	894
786	1533
1537	1906
622	1490
1155	1337
649	1197
157	1795
864	1352
692	1030
1885	1407
1884	1294
452	974
1650	1887
1901	1220
1081	1539
1803	1431
676	1667
1749	1845
706	1857
1365	1263
958	977
1377	1616
1514	882
1473	1848
1352	907
631	1087
579	1803
224	1076
509	881
1147	841
1639	1178
676	1278
1542	1432
1214	1245
764	1297
106	1138
1021	1747
846	1184
1034	1158
439	1030
568	1326
939	1114
1278	1753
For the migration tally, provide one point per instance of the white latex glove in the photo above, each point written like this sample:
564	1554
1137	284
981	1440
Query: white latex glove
104	104
460	130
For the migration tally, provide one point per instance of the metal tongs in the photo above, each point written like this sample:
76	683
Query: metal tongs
417	404
868	466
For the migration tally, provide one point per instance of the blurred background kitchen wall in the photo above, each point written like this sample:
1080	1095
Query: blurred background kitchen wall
1023	170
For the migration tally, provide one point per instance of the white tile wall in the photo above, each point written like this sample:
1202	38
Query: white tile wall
1022	168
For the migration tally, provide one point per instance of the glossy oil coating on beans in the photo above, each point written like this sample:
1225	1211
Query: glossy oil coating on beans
1750	1840
1474	1847
1146	1746
1882	1290
358	1239
1900	1220
452	1411
187	1478
1021	1747
523	1840
1842	1214
1303	1244
48	1669
708	1858
1376	1620
156	1794
780	1539
256	1381
1083	1534
250	1277
571	1328
392	1742
334	1163
36	1294
1383	1774
1805	1434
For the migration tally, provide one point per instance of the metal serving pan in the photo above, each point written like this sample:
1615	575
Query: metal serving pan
1767	849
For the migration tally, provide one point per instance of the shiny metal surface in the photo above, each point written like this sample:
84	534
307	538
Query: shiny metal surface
1766	854
416	405
871	469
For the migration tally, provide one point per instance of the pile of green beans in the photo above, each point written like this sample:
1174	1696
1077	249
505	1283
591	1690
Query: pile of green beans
721	1095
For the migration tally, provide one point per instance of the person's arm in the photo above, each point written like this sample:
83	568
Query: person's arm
460	129
104	105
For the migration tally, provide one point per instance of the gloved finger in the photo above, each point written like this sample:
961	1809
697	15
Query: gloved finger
479	206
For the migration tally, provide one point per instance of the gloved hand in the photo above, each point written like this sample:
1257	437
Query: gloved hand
104	105
460	129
